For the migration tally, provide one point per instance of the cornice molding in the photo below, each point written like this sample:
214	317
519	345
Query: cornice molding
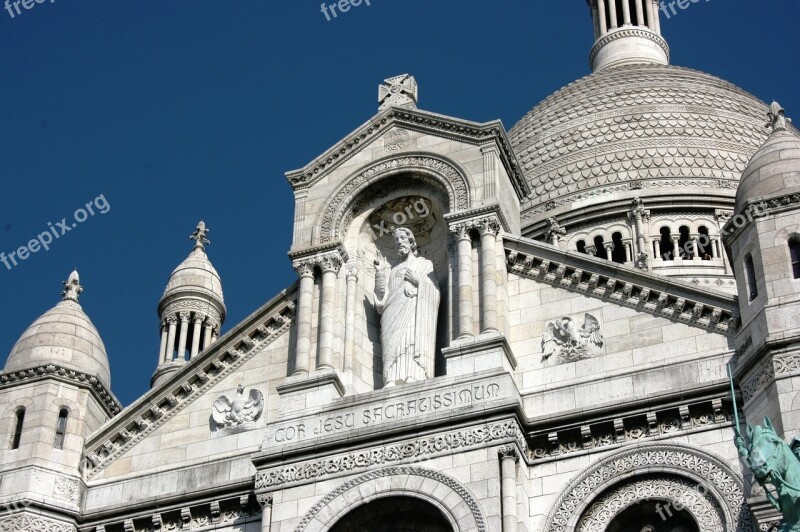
419	121
622	33
201	373
103	395
605	280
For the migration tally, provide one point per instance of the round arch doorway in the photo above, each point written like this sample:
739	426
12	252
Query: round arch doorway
650	516
394	514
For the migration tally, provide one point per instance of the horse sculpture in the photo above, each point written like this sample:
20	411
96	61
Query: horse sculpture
776	467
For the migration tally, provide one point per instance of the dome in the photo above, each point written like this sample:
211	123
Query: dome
64	336
775	168
647	128
195	274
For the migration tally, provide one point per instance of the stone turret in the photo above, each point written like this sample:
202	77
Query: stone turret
192	309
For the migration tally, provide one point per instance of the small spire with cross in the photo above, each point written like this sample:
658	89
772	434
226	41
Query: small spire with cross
399	91
72	288
199	236
777	118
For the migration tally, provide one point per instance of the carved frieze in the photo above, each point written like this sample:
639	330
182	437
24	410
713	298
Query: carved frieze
566	340
237	413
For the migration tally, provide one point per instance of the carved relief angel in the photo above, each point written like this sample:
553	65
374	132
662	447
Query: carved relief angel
564	341
240	411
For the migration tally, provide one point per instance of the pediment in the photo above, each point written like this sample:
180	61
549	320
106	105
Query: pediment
202	373
605	280
390	129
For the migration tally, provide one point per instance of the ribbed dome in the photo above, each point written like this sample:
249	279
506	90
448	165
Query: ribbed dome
195	274
774	169
65	336
646	127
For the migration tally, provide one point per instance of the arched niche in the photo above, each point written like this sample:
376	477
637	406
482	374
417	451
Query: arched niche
687	475
408	200
447	496
395	514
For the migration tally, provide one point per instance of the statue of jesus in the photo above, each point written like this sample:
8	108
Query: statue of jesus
408	302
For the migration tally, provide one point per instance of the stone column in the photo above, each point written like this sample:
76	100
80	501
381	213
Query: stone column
639	215
184	316
656	20
648	6
609	249
626	12
215	333
489	229
695	247
464	279
508	486
596	19
209	327
640	13
601	11
714	244
612	11
591	250
265	501
162	350
657	248
676	248
305	269
170	351
351	276
628	254
330	264
198	324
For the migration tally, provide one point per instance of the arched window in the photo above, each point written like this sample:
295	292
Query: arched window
61	428
601	249
704	243
18	428
750	274
794	251
581	246
684	249
667	247
618	255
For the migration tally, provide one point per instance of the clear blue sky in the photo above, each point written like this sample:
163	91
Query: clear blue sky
176	111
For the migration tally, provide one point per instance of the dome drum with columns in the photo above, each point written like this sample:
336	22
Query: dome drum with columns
488	332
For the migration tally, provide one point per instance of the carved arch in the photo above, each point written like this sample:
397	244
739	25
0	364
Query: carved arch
688	463
394	481
446	174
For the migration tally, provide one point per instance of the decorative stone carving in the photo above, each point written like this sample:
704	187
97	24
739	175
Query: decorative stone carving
399	91
395	140
30	523
697	465
564	341
414	450
335	218
408	301
67	489
473	521
679	493
240	412
777	118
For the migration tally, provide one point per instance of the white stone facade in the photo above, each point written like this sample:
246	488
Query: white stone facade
579	386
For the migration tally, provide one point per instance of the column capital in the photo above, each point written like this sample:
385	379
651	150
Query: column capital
199	317
304	268
351	270
264	499
331	261
171	320
184	316
609	246
508	451
460	230
488	225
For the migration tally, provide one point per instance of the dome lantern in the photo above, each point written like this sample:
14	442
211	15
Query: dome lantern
626	31
192	309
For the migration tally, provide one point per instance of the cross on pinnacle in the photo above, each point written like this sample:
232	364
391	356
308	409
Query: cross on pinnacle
199	236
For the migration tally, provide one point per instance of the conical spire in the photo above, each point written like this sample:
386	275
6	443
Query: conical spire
626	32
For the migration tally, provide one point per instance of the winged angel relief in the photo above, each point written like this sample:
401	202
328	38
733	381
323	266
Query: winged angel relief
238	413
564	341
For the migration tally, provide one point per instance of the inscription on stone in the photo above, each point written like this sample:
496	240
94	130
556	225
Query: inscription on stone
390	410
